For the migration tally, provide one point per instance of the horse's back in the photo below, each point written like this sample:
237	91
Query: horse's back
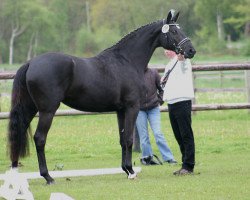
86	84
81	83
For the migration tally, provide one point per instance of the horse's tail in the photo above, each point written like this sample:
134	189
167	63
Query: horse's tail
19	114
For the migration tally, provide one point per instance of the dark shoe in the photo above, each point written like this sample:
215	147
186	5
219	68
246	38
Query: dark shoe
183	172
177	172
150	160
172	162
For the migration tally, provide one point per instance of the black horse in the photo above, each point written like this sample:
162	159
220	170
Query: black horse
110	81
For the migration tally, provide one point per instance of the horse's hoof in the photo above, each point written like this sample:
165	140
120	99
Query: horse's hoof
132	176
52	182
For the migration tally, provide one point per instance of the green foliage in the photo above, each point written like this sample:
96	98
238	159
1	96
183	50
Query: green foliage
210	44
108	13
242	15
90	43
3	50
106	37
56	25
208	32
86	43
246	48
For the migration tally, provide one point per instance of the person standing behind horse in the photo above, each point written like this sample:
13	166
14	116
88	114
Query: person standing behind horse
178	93
150	111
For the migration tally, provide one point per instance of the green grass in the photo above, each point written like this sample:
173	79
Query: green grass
216	82
87	142
219	59
8	67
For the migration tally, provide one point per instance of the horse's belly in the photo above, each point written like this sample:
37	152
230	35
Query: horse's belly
92	105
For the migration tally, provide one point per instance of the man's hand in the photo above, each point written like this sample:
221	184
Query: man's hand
180	57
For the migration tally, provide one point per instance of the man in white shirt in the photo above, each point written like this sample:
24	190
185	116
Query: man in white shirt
178	93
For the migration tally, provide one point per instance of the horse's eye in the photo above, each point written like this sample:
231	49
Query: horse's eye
175	31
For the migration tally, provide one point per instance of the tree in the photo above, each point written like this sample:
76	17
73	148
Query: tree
241	19
19	15
17	23
2	21
212	14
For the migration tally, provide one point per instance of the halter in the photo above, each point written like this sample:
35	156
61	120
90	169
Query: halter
178	47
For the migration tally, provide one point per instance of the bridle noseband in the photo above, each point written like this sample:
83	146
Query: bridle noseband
178	47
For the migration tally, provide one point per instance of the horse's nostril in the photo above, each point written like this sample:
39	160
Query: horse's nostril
192	51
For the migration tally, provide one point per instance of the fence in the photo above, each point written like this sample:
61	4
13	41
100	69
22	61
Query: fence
205	107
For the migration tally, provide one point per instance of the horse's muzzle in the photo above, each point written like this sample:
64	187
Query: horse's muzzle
190	53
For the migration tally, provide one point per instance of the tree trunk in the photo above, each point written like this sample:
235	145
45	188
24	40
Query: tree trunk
11	47
88	16
220	25
35	45
247	29
29	55
14	33
247	75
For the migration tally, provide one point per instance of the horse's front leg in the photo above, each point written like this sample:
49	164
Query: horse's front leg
121	125
44	123
130	118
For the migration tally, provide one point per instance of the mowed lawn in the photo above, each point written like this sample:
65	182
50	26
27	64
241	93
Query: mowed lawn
87	142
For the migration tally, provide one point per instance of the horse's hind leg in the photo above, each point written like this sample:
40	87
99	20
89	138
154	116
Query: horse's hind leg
44	123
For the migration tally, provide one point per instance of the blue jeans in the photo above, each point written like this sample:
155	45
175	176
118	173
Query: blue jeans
154	118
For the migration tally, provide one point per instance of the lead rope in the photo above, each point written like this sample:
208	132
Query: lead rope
158	159
165	77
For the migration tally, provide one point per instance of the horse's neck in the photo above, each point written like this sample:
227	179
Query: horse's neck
138	47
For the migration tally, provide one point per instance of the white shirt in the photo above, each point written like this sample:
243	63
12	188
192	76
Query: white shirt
179	86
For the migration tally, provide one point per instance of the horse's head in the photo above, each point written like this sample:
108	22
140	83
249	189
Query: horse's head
173	38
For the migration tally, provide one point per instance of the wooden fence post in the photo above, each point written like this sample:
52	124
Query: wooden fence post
1	70
247	75
221	79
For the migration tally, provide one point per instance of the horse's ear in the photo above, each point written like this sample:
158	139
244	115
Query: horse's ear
175	18
170	16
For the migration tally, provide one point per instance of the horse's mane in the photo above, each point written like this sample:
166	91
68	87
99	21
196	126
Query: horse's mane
129	35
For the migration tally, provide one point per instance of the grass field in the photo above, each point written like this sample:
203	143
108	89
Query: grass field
222	141
87	142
